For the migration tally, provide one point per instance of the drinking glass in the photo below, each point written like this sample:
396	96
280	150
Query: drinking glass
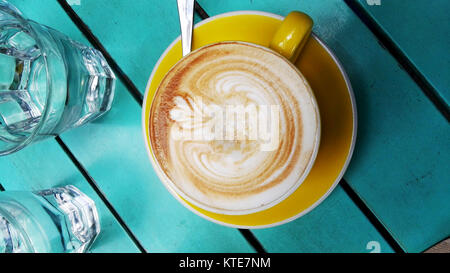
48	82
49	221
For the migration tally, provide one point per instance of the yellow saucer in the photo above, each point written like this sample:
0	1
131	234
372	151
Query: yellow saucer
333	93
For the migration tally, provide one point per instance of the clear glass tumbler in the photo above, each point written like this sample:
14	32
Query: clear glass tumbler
51	221
48	82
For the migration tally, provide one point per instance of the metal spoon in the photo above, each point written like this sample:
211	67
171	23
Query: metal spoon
186	14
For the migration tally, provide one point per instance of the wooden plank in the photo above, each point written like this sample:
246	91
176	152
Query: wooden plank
420	29
135	34
45	165
336	225
156	27
441	247
398	167
112	150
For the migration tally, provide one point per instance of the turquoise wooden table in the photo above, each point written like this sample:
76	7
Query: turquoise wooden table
395	194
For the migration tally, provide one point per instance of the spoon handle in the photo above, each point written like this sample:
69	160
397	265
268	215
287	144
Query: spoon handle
186	14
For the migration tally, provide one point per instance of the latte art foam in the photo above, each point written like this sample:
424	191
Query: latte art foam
234	172
195	120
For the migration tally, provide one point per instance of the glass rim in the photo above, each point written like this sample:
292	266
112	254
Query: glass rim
16	225
11	10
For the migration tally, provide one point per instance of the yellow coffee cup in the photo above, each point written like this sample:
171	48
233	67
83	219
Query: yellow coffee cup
292	35
296	147
273	31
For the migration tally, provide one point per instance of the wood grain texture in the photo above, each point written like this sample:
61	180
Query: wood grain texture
153	29
421	30
399	167
441	247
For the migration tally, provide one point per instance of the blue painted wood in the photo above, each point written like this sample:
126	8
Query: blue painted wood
45	165
135	34
421	30
337	221
151	33
399	167
382	138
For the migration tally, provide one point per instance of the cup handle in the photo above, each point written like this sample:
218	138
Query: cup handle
292	35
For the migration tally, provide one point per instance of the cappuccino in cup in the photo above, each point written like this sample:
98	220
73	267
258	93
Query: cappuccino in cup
234	128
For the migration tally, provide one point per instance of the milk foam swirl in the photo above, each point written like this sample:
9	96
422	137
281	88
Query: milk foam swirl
234	175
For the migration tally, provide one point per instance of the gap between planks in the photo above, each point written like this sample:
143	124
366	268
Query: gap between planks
247	234
373	219
405	63
349	191
97	45
102	196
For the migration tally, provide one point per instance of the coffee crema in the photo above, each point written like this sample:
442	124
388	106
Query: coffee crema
249	168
